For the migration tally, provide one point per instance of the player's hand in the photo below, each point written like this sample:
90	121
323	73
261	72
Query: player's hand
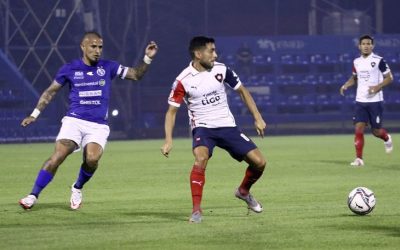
260	127
373	90
342	89
166	148
28	120
151	49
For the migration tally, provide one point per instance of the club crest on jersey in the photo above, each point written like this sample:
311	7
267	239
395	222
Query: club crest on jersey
219	77
100	72
373	64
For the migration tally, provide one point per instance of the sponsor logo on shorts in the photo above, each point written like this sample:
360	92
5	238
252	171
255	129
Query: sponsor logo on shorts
244	137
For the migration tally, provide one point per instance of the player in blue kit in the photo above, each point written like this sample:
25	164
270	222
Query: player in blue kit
85	124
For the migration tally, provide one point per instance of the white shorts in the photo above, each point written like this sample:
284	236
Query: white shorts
83	132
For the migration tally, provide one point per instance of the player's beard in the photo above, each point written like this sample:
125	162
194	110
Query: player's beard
94	60
207	66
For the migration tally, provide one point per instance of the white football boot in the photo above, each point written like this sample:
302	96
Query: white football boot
28	202
196	217
358	162
76	198
252	203
388	145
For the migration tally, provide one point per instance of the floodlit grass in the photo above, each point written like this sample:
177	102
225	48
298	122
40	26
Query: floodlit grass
141	200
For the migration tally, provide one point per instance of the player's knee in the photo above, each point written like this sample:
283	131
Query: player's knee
91	161
201	159
260	163
376	132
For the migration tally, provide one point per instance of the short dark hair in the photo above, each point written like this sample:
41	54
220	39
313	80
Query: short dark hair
91	33
365	37
199	42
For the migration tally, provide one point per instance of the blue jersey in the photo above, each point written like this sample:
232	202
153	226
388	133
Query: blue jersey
89	88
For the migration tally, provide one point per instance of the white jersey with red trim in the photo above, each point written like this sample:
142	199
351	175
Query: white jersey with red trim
369	72
205	96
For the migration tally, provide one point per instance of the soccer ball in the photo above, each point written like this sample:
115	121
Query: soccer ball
361	201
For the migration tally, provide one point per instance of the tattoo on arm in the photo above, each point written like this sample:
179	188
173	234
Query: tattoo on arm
137	72
47	96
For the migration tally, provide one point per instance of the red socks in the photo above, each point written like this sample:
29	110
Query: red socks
382	133
251	176
359	142
197	180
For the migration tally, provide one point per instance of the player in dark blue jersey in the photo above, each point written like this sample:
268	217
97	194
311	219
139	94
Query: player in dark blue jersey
85	124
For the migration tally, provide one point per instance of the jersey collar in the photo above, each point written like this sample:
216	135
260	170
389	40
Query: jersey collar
193	71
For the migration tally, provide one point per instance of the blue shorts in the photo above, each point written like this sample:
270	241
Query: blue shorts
229	138
370	113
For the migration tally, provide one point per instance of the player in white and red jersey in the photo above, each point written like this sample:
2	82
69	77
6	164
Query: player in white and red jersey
372	74
85	124
202	87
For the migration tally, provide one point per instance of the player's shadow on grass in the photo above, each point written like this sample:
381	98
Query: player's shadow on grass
48	206
393	231
336	162
391	167
172	216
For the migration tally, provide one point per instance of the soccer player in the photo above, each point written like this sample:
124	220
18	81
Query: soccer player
85	124
372	74
202	86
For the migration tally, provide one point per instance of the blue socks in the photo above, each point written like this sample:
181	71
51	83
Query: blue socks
44	178
41	182
82	178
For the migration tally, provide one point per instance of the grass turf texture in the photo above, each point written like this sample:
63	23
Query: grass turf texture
140	200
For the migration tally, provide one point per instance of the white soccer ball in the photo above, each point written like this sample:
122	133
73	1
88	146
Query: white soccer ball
361	201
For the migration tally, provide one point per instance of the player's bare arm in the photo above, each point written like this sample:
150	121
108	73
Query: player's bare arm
352	80
388	79
44	100
169	125
251	105
136	73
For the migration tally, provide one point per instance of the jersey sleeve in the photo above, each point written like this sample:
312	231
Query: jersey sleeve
62	75
384	67
354	71
232	79
118	70
177	94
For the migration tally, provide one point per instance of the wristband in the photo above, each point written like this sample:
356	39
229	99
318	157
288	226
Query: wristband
35	113
147	59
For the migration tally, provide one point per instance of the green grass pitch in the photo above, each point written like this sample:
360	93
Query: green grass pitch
139	199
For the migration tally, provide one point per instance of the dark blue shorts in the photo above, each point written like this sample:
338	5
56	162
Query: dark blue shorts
229	138
370	113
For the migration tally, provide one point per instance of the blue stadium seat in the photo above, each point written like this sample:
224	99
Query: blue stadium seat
287	59
302	59
331	59
317	59
391	58
346	58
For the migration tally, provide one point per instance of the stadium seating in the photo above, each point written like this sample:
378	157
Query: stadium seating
307	85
